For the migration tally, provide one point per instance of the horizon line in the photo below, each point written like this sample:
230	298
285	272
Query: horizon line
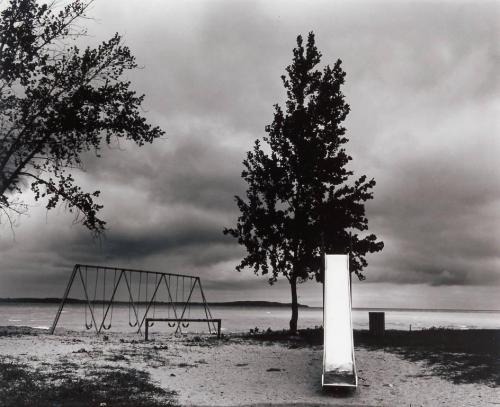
248	302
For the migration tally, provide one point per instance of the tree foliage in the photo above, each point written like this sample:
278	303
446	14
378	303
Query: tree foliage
57	102
301	199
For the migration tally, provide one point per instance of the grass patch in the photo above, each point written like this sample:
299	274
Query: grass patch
205	341
19	331
117	387
303	338
151	356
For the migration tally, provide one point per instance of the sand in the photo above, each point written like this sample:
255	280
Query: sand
236	372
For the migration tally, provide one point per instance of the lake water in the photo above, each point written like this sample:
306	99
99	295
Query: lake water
239	319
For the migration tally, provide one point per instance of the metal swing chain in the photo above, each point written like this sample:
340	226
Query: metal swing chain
154	300
147	298
184	324
112	305
103	304
170	302
95	291
103	291
138	302
171	324
95	288
189	304
156	286
130	302
87	325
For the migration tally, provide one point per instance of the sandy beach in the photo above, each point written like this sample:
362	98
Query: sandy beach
203	371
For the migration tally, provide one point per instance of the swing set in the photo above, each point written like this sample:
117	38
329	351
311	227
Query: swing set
101	286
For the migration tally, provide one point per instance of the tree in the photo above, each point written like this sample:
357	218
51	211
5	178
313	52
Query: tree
58	102
300	202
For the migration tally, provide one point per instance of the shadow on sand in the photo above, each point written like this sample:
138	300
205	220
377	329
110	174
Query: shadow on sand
460	356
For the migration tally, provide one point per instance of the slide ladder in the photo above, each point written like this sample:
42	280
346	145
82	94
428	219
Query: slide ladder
339	366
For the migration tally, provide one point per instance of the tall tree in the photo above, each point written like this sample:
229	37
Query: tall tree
301	201
58	102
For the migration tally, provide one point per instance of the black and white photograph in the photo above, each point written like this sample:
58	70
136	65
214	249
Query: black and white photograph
249	203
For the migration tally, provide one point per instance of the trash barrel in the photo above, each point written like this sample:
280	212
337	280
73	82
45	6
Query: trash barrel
377	323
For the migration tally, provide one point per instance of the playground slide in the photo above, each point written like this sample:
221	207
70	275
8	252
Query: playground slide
339	367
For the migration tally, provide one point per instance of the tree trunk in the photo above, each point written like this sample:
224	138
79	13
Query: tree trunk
295	306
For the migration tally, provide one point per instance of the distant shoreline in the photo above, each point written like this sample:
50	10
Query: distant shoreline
271	304
427	309
217	304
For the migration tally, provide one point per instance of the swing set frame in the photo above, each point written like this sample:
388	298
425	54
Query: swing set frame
120	273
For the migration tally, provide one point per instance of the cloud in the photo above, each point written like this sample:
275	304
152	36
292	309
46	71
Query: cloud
422	84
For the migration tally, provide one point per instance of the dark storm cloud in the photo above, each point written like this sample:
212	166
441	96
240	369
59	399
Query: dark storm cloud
122	243
422	84
440	221
195	170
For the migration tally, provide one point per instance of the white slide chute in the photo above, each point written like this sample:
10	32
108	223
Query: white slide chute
339	366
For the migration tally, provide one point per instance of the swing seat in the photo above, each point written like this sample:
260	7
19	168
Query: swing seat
88	326
185	324
132	325
171	324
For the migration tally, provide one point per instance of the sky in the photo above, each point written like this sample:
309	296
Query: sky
422	82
